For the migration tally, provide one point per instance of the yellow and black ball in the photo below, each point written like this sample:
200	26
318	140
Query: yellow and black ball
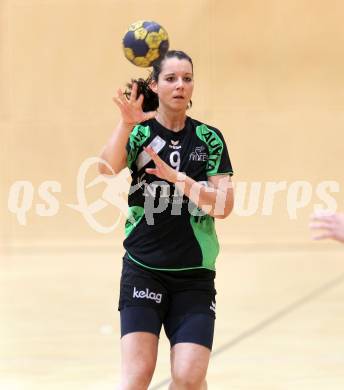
145	42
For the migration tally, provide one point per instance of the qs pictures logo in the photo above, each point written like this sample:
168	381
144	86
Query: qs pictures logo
117	188
251	198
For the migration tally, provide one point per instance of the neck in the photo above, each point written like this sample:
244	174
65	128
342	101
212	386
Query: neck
174	121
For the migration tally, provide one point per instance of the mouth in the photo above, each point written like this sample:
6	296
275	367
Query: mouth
178	97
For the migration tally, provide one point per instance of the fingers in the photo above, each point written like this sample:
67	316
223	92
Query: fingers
322	236
152	171
322	218
117	102
120	96
153	155
320	225
322	222
323	215
133	95
139	101
119	99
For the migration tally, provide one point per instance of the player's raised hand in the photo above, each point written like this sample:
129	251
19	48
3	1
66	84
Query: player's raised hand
131	109
332	226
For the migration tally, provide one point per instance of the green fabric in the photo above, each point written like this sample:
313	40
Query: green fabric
136	139
135	215
204	231
215	147
164	269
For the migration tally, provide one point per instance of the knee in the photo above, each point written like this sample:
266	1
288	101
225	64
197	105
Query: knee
137	378
187	378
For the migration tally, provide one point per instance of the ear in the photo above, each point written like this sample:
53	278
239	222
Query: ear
154	86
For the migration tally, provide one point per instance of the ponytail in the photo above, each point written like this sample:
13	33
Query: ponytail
150	98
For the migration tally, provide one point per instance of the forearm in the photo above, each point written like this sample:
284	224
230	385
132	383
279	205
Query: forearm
114	152
213	201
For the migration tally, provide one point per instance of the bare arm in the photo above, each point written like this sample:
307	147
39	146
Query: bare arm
216	200
114	152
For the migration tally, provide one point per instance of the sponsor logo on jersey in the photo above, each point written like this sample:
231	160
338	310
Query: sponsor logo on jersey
146	294
213	306
174	144
198	154
215	147
157	188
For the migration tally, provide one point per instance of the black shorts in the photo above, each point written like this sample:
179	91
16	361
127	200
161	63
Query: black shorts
183	301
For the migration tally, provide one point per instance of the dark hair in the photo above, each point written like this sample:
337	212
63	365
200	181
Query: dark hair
151	101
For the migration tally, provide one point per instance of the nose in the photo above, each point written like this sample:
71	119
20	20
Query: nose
180	83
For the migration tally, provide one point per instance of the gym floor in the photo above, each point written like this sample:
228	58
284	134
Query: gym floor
280	320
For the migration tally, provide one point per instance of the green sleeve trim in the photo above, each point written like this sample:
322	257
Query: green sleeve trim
137	138
215	147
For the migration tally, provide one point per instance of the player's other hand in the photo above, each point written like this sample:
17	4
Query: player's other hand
161	170
327	226
131	109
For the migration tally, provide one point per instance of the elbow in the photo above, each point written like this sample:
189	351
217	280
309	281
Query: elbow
101	168
105	168
226	210
225	214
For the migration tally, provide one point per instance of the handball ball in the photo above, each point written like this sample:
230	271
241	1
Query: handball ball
144	43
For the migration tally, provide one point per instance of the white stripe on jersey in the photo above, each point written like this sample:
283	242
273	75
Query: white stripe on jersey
143	158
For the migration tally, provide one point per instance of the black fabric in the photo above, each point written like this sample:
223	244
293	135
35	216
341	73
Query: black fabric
140	319
183	302
197	328
167	240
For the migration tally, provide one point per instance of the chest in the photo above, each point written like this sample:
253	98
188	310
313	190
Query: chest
187	154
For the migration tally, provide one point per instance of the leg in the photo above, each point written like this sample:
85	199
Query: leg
189	363
140	328
141	320
139	353
191	336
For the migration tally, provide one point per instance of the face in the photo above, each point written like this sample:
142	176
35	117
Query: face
175	84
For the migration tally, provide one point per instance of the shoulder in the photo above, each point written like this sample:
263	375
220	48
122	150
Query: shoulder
142	129
149	123
198	124
205	131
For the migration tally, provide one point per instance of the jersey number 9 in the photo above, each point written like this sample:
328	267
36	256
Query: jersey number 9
175	160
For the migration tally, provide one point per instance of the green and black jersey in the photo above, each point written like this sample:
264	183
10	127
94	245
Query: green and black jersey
164	229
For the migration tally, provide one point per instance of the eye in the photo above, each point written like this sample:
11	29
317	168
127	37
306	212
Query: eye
188	79
170	78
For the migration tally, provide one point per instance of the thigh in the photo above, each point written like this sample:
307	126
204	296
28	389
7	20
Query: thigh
143	301
140	319
139	347
191	318
138	359
141	305
189	363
